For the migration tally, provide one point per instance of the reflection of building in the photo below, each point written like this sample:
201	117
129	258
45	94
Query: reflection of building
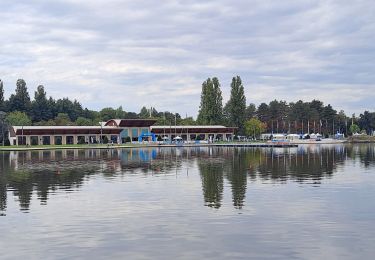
114	130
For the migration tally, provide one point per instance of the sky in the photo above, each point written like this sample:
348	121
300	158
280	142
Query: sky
157	53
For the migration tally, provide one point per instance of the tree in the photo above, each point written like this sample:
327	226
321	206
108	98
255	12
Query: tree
83	121
20	101
367	121
236	106
144	113
263	112
107	113
251	111
254	127
211	107
40	109
18	118
72	108
354	129
3	126
278	112
63	119
188	121
120	113
1	96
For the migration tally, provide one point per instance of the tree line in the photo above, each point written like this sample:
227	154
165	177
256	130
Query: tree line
276	116
21	110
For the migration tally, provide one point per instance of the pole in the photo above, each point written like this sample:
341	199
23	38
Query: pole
2	116
308	127
101	132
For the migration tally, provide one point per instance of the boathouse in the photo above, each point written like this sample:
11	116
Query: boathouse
114	131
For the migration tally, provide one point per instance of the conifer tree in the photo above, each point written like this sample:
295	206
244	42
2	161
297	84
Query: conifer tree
40	109
20	101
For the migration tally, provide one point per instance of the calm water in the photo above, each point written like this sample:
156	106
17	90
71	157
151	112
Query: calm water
311	202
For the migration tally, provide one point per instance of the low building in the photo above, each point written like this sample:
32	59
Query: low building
194	132
115	131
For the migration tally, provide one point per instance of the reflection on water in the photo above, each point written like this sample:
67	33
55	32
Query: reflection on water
44	172
310	202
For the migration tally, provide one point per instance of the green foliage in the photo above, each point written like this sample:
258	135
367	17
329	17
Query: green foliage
72	109
18	118
107	113
1	96
188	121
235	109
63	119
251	111
3	127
254	127
82	121
144	113
211	107
367	122
20	101
127	139
263	112
354	129
40	106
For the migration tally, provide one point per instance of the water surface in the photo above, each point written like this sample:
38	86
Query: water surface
311	202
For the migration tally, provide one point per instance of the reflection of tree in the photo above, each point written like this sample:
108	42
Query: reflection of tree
212	183
4	167
367	154
236	175
40	173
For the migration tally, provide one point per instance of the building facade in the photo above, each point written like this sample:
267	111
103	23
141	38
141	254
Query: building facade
196	132
114	131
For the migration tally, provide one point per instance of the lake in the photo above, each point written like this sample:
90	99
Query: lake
310	202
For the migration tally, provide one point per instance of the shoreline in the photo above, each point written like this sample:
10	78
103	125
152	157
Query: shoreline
129	146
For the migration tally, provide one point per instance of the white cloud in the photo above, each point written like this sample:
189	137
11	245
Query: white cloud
112	53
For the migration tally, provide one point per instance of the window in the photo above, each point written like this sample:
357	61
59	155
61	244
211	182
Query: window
58	140
134	132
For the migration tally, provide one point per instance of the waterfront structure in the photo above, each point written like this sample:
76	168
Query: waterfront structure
195	132
114	131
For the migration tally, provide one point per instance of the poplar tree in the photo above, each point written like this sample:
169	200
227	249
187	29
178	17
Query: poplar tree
236	105
211	107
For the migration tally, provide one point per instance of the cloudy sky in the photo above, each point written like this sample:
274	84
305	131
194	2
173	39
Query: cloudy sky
158	53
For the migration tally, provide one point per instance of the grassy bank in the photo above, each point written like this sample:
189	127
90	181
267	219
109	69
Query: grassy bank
361	139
